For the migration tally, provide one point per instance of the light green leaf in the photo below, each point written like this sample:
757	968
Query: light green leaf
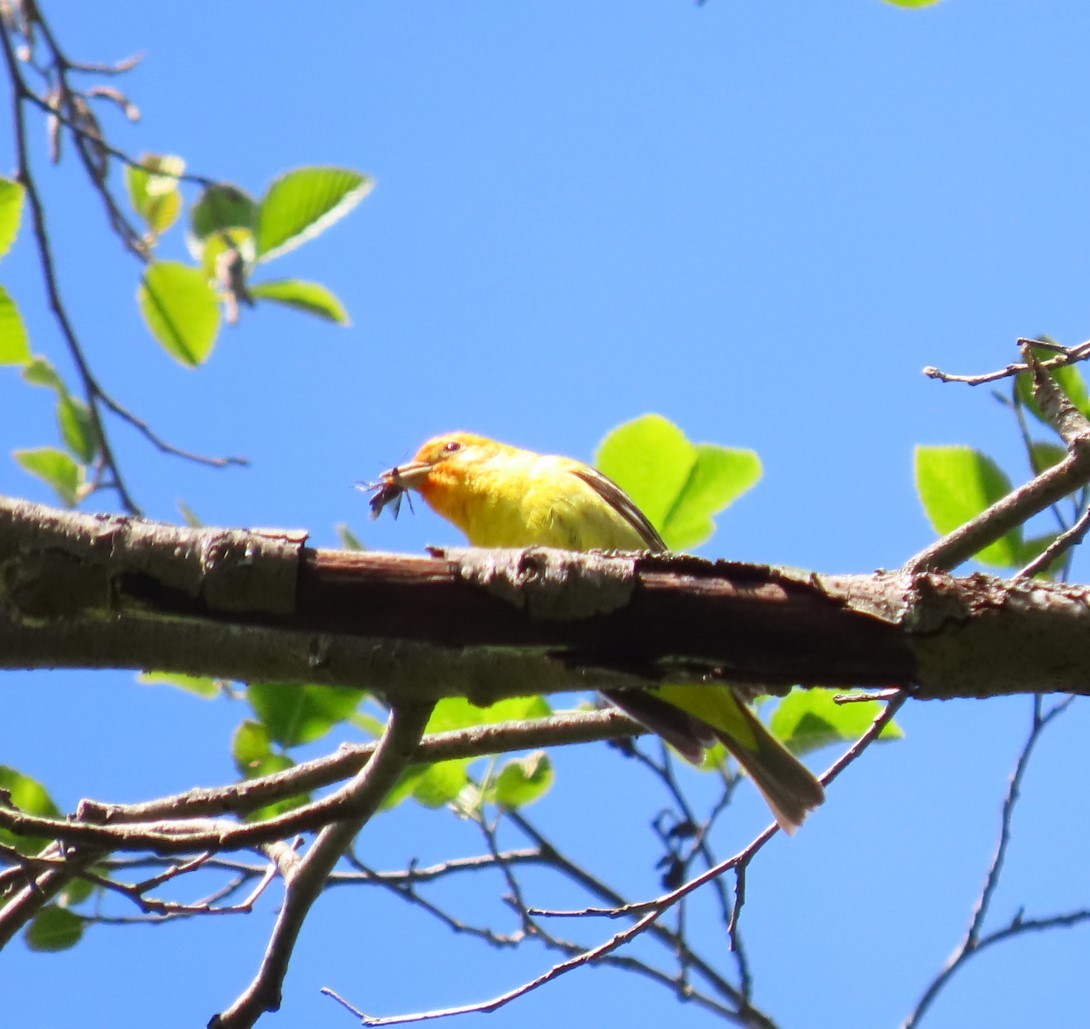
74	419
251	746
523	780
453	713
210	252
54	928
349	540
153	190
202	685
11	212
807	720
1033	548
301	714
440	783
956	484
56	468
1044	455
303	203
14	339
30	797
311	297
189	516
1068	378
679	485
39	372
181	309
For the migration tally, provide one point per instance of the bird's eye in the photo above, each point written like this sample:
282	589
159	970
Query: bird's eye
452	446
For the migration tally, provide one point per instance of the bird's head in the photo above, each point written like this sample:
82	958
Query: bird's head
439	461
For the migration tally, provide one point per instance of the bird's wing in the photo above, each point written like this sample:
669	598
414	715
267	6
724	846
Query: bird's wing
622	503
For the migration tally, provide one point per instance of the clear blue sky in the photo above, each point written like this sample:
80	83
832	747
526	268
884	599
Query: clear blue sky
759	219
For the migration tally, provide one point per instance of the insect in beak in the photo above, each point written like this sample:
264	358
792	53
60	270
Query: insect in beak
387	491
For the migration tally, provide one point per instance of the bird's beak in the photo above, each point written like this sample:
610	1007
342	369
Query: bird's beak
407	476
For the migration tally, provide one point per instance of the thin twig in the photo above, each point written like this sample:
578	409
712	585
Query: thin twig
362	798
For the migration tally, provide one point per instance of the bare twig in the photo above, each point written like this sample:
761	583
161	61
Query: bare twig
361	797
974	940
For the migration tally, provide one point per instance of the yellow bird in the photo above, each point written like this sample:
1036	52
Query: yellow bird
501	496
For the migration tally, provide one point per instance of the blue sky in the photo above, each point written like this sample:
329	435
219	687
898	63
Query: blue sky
758	219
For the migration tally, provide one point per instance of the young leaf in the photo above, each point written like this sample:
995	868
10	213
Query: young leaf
807	720
956	484
11	212
679	485
349	540
523	780
181	310
1044	455
202	685
453	713
153	190
56	468
74	419
39	372
1068	378
221	208
304	296
304	203
440	783
14	340
250	747
301	714
30	797
54	928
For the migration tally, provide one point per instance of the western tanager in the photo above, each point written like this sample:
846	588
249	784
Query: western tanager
501	496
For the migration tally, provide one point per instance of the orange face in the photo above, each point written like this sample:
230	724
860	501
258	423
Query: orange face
437	472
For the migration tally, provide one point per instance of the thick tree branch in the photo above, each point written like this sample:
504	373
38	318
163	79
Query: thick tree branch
99	591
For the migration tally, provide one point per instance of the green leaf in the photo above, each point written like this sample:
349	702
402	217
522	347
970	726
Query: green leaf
211	252
1032	548
303	203
679	485
1068	378
305	296
440	783
54	928
523	780
14	339
301	714
39	372
79	890
452	713
11	212
74	419
220	208
30	797
153	190
349	540
250	747
807	720
181	310
1044	455
202	685
956	484
189	516
254	758
56	468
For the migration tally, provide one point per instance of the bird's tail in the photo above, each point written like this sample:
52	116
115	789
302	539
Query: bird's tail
788	786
